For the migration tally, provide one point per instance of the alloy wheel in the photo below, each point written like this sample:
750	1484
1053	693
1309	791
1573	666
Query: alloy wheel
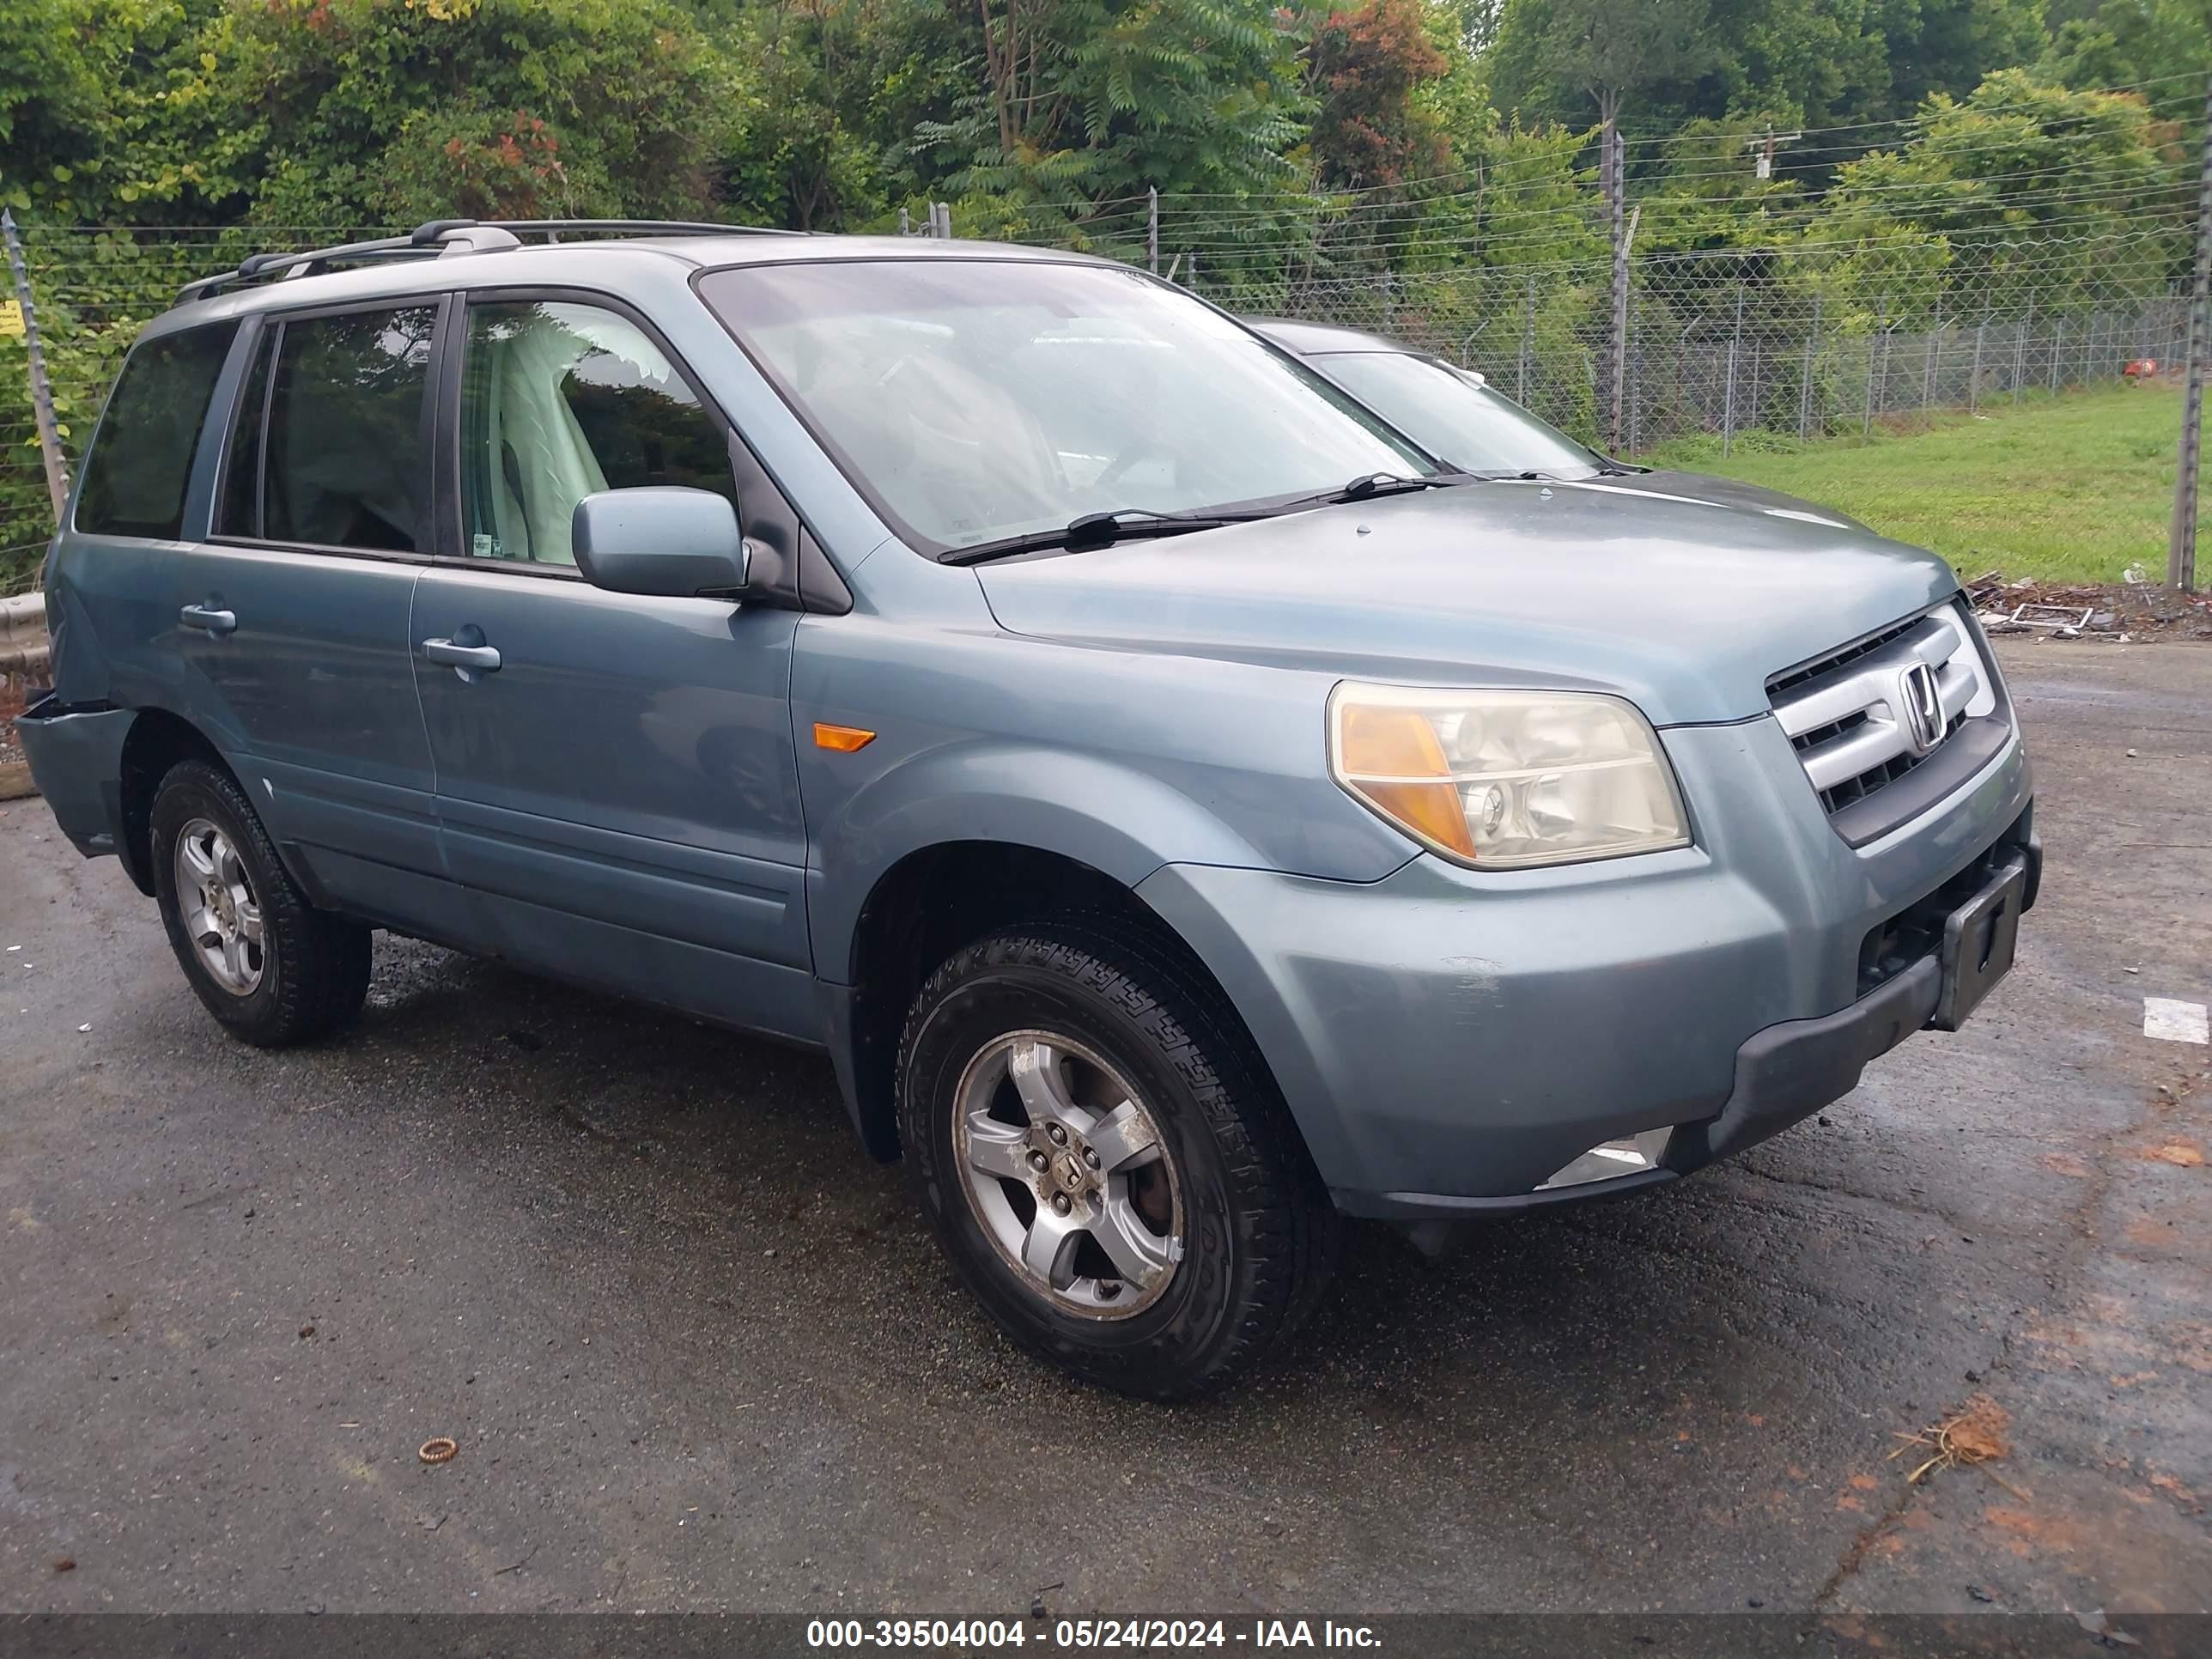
1064	1168
221	915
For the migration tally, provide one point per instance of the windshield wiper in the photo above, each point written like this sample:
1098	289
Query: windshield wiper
1094	529
1369	485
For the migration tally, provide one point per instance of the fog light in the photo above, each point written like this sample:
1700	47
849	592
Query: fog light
1610	1159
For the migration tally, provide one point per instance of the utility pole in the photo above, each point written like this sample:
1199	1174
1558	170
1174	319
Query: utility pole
42	393
1763	147
2181	544
1152	229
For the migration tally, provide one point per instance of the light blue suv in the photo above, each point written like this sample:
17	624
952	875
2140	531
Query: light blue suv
1185	811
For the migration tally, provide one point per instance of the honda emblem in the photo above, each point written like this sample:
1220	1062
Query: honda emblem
1920	708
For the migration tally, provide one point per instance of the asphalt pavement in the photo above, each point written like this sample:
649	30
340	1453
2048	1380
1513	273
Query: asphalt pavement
697	1353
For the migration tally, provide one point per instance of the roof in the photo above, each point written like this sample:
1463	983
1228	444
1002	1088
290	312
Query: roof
597	261
1320	339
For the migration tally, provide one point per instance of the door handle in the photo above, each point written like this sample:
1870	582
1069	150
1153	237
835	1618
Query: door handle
207	619
484	658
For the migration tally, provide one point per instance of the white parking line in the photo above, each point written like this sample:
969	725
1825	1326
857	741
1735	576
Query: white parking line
2174	1022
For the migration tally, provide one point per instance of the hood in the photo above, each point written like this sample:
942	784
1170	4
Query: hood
1684	605
1723	492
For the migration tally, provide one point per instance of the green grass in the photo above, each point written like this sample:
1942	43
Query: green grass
2073	488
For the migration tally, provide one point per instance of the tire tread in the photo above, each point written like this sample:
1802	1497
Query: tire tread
1291	1229
323	960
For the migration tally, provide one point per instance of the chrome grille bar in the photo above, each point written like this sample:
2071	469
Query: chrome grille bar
1878	708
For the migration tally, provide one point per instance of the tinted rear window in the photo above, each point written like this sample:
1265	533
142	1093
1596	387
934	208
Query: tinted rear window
134	481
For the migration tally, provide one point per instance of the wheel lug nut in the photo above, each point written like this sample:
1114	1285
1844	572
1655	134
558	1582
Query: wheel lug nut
1039	1162
1090	1156
1059	1135
1060	1205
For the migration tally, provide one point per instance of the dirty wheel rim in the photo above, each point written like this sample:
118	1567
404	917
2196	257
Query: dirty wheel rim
1064	1168
221	914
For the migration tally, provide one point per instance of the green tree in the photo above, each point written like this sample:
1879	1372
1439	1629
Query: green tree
1368	68
354	111
1083	101
1580	60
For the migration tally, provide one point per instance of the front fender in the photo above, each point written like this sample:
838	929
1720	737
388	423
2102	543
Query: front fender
1124	822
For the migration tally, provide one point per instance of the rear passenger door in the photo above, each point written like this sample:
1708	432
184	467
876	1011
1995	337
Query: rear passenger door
296	632
145	488
620	791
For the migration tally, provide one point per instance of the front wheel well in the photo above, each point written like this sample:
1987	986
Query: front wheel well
939	899
157	740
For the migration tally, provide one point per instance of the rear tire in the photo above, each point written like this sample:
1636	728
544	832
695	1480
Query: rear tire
1200	1234
272	969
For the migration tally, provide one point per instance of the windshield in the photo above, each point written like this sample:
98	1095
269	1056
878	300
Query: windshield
973	400
1468	425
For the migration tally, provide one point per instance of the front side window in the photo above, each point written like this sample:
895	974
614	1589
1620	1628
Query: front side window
134	479
346	465
977	400
560	401
1468	425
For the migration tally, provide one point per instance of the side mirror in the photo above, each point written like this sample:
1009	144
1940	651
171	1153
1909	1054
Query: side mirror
668	541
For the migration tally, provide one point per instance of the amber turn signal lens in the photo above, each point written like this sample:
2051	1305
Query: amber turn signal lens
842	739
1393	757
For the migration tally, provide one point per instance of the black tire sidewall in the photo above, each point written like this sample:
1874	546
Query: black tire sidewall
195	790
1159	1350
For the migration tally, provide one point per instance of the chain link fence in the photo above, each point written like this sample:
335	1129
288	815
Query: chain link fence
1742	346
1801	344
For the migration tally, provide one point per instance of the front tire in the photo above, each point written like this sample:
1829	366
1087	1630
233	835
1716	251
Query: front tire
1105	1161
272	969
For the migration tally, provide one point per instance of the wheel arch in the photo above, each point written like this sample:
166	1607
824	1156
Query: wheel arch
937	899
157	740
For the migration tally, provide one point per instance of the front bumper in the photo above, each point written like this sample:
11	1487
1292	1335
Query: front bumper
1447	1040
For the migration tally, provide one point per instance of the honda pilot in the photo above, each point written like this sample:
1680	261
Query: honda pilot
1187	810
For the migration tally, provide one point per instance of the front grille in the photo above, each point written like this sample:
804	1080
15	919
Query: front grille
1850	718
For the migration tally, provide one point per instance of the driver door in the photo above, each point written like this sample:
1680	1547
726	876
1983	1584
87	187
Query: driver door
615	776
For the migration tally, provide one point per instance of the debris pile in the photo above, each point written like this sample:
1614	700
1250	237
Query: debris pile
1973	1434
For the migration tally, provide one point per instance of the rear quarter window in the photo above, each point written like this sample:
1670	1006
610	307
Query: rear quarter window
135	478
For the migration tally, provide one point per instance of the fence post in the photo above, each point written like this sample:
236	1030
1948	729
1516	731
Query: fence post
1805	384
1928	376
1527	339
2181	543
2020	348
2057	344
1152	229
906	222
1880	340
42	393
1974	379
1624	239
1635	379
1728	395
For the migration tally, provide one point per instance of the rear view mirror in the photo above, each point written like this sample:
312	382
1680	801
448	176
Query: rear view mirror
668	541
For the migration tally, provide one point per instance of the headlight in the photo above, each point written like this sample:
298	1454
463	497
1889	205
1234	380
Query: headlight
1503	780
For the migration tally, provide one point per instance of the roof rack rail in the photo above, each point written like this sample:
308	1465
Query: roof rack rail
440	237
554	227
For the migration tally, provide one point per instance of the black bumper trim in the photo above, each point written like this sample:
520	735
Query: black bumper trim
1787	1072
1784	1075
